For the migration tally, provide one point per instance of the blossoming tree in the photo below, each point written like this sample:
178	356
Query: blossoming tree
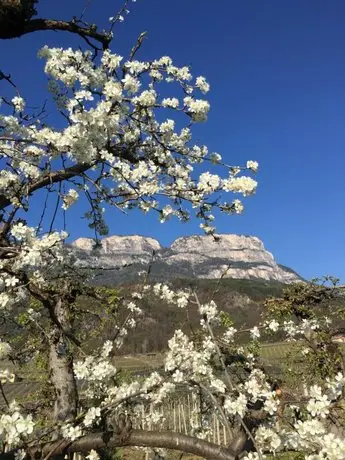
120	148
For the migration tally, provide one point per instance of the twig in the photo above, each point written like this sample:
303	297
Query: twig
137	45
54	449
4	395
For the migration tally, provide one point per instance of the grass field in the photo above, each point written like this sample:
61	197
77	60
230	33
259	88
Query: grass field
276	351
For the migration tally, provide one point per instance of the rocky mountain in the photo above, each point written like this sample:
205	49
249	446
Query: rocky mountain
119	258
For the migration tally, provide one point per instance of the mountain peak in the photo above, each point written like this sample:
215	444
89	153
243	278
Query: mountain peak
196	256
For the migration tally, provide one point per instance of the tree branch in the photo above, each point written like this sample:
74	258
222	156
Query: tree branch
34	25
66	173
50	178
52	24
139	438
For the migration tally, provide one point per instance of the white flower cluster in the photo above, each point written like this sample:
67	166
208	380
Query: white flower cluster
94	369
229	334
254	456
253	165
171	102
272	325
5	349
267	439
245	185
70	198
311	436
92	455
332	448
6	376
306	326
118	394
255	333
187	363
18	103
33	314
107	112
210	311
202	84
180	298
335	387
256	388
71	432
198	108
15	426
92	416
33	255
319	403
236	406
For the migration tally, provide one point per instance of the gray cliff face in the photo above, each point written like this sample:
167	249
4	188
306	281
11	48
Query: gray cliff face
241	257
116	251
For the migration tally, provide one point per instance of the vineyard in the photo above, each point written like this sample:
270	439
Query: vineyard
175	415
29	379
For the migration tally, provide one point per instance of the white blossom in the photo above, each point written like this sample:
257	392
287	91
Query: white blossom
14	426
273	325
255	333
92	455
6	376
236	406
71	432
5	349
253	165
202	84
171	102
197	108
92	416
243	184
70	198
19	103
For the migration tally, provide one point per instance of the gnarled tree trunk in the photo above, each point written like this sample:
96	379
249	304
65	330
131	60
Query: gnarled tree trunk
61	367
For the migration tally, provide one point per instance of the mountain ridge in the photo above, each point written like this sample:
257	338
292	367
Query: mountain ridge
195	256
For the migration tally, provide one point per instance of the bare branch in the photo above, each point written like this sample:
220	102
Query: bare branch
137	45
139	438
35	25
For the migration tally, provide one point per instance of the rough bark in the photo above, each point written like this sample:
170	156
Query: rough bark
16	20
61	368
165	440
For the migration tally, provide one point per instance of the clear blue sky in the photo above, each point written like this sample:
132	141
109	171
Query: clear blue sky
277	74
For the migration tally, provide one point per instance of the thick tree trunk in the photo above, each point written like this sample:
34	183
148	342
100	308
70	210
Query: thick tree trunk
61	368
